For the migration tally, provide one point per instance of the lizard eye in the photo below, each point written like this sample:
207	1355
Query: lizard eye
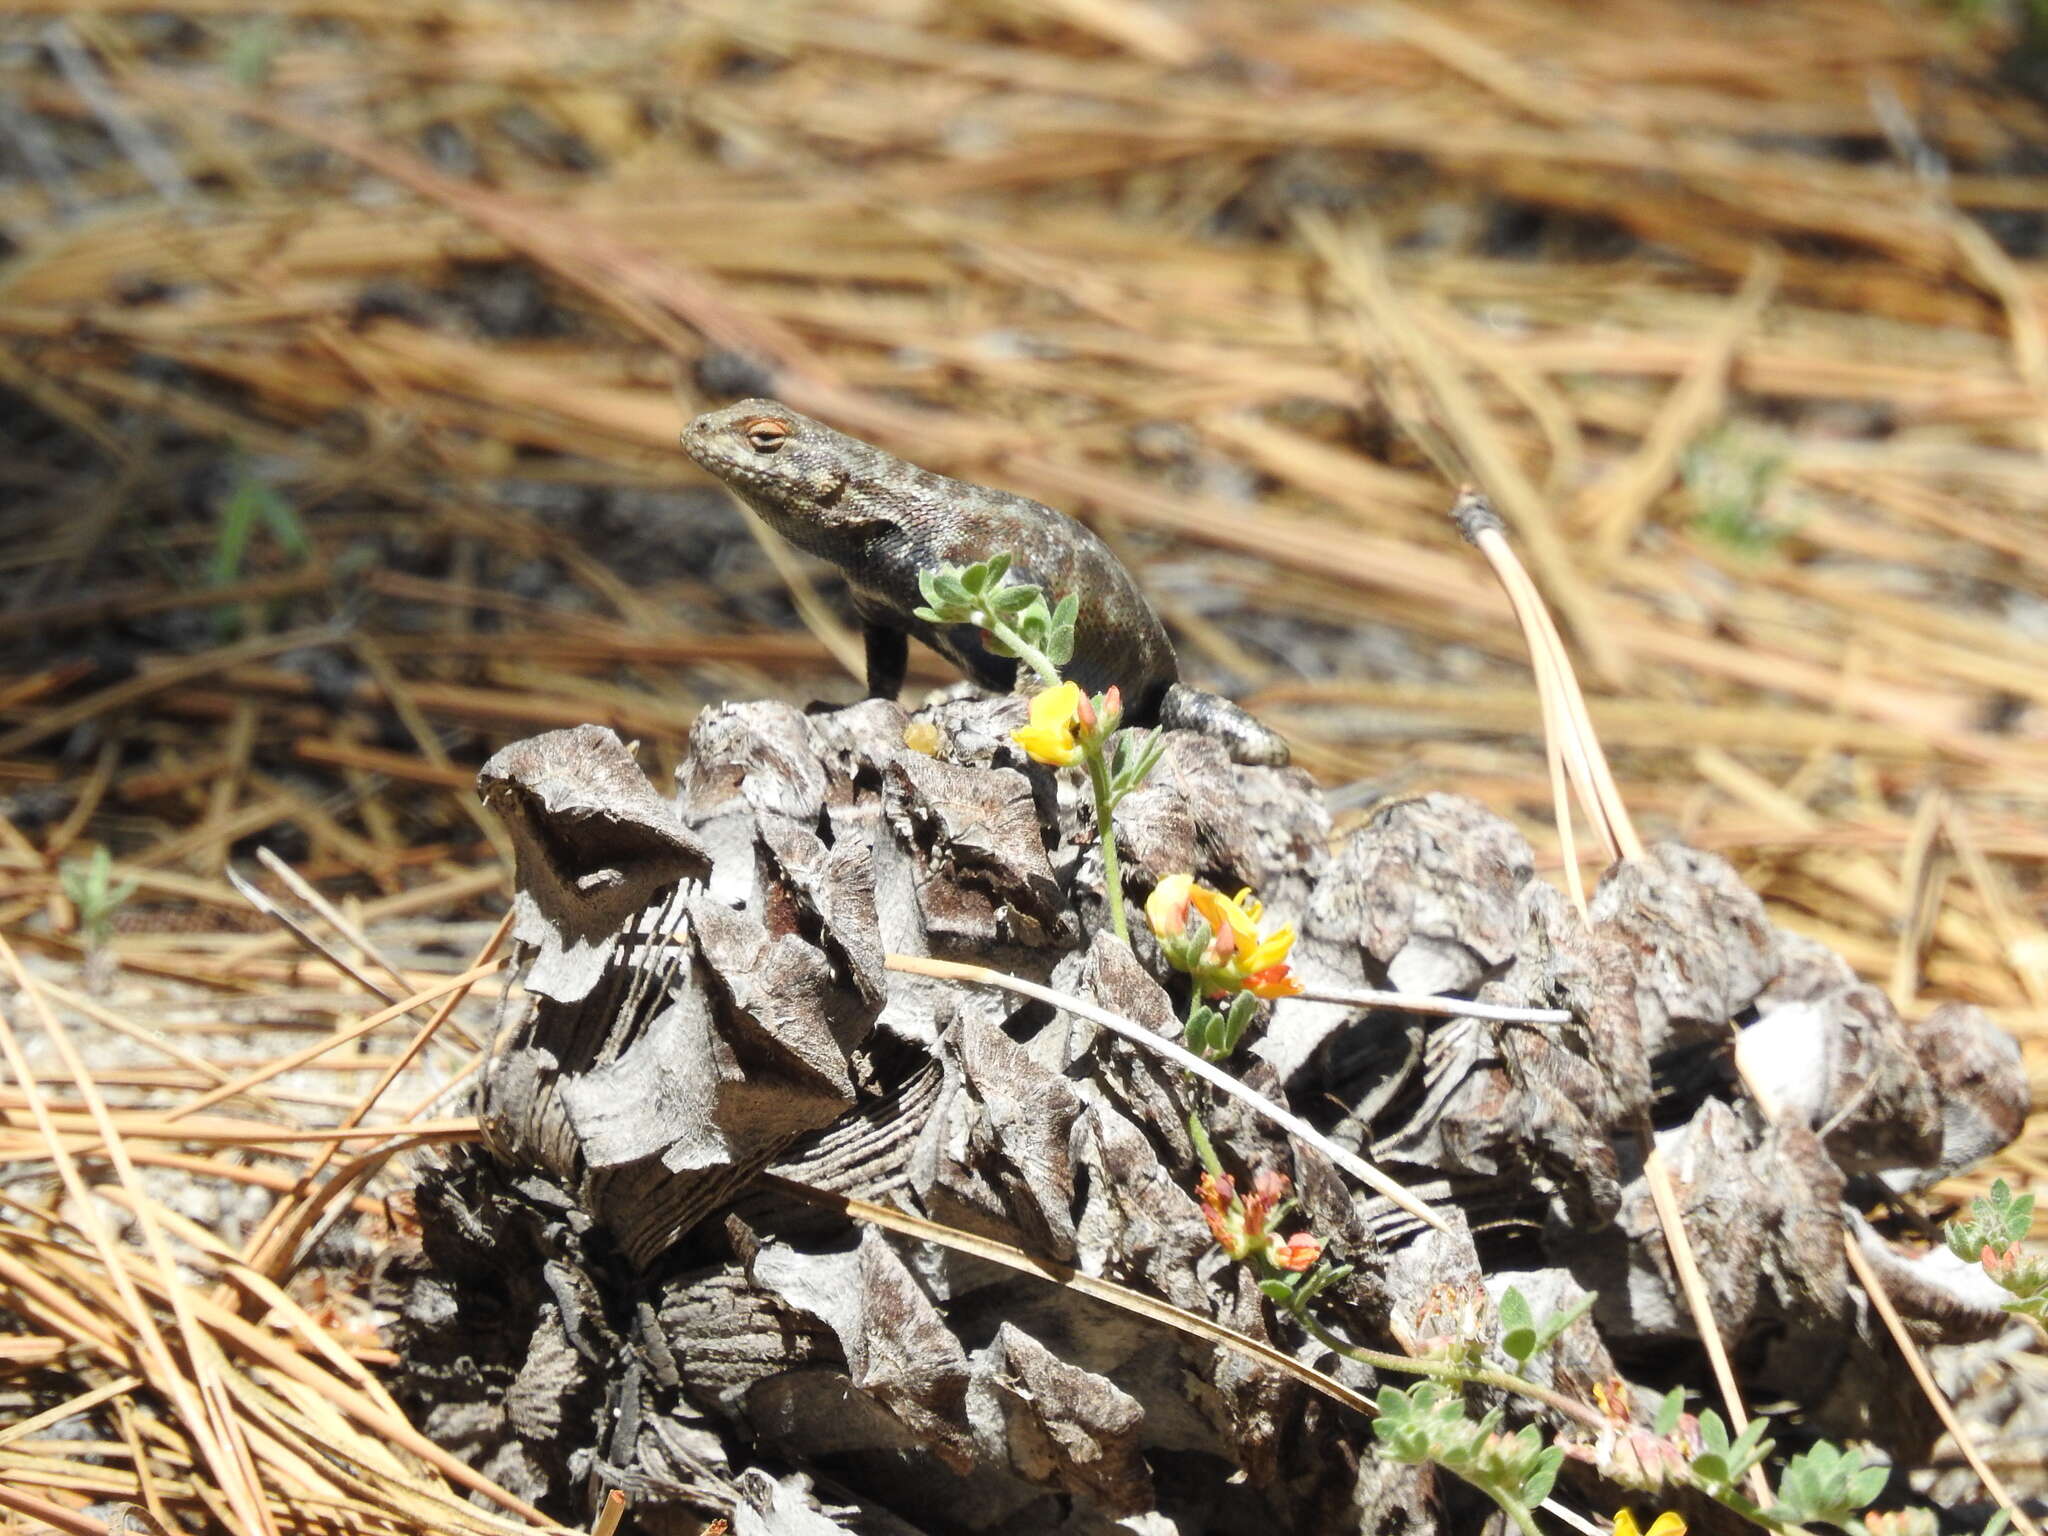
765	434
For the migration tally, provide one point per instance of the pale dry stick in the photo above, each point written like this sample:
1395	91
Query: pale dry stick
226	787
399	696
218	1440
42	1511
85	1402
2008	926
1918	902
1430	1002
436	896
1481	526
1359	265
157	680
339	1038
284	1313
109	1019
1142	1303
1180	1056
1622	832
153	1493
1156	1308
308	940
282	1357
609	1516
1603	806
1619	503
259	1252
305	890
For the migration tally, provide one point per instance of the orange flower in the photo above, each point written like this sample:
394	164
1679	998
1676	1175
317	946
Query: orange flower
1240	1223
1237	958
1299	1252
1221	1210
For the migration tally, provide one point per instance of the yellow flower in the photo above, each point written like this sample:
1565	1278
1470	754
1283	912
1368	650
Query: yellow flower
1049	738
1666	1524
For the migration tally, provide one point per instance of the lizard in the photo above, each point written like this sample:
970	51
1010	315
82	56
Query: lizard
880	520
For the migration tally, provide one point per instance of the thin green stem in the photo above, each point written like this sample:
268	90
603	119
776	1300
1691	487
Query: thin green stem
1451	1370
1516	1510
1198	1133
1027	653
1105	829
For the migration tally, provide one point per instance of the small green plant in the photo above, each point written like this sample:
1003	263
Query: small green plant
1828	1484
251	50
1013	616
1731	474
253	503
1722	1464
1067	727
1990	1235
1428	1423
1214	1035
90	886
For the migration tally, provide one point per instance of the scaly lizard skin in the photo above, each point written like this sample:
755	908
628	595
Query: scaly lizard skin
881	521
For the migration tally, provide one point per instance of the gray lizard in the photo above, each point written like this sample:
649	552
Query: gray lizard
881	521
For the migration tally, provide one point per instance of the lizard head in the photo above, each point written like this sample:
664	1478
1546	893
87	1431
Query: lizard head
792	470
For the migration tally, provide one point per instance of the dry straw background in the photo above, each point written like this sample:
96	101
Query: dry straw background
343	345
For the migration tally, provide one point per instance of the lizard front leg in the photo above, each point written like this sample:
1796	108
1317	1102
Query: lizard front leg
888	659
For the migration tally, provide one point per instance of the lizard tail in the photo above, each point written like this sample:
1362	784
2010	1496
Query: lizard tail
1244	738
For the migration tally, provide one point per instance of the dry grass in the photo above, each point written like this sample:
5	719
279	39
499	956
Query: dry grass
1706	296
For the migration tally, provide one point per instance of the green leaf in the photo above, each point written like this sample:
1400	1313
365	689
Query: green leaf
1514	1311
1278	1291
1965	1240
1866	1485
1013	600
1669	1411
930	615
1713	1434
1536	1487
1059	644
1555	1324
